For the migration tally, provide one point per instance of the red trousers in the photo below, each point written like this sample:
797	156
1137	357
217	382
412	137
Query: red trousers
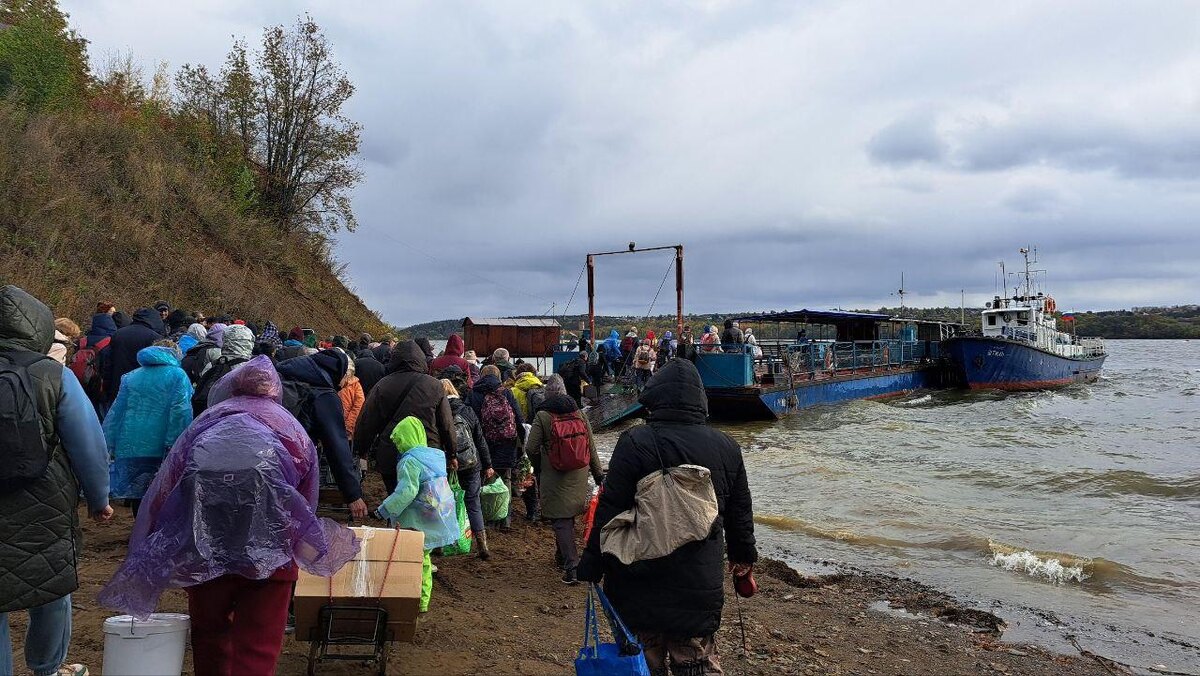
237	624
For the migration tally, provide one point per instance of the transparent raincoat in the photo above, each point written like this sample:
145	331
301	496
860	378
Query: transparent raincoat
422	499
237	494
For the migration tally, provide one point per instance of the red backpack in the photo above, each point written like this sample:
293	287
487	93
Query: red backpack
568	442
499	423
85	365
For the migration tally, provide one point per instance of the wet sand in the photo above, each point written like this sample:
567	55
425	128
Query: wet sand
512	615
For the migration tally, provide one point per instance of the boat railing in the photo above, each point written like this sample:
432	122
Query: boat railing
782	361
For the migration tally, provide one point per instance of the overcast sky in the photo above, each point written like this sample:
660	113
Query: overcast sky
805	153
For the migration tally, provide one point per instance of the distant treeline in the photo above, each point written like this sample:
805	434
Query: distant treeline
1180	321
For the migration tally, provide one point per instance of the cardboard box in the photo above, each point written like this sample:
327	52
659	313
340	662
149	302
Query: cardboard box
399	593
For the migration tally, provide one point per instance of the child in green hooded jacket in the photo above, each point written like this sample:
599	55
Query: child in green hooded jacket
422	500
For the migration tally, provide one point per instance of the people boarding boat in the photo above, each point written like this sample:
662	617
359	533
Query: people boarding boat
1021	347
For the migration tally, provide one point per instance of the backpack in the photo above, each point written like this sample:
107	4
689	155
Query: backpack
21	443
535	397
298	399
467	455
642	359
86	366
499	423
218	370
194	361
568	442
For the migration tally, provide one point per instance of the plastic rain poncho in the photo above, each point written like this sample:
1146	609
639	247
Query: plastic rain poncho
236	495
422	499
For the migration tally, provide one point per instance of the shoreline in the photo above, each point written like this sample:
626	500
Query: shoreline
512	615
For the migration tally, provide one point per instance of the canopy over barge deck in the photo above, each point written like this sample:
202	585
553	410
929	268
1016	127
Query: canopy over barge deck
808	357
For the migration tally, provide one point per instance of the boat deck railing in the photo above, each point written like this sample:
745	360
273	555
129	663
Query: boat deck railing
787	361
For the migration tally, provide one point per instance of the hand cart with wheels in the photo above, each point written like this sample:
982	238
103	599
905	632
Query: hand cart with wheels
362	627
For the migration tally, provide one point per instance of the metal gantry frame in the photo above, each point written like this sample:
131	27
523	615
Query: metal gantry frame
591	278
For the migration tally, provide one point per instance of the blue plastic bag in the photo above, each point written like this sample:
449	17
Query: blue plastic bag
622	658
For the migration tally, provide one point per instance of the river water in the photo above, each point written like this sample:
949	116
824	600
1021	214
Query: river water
1072	513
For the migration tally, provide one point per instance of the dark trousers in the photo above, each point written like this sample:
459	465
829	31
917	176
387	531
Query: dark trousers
237	625
564	540
470	483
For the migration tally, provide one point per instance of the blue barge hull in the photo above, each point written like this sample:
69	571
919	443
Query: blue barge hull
780	400
996	363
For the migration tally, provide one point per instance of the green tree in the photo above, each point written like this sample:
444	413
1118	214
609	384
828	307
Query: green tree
283	106
43	63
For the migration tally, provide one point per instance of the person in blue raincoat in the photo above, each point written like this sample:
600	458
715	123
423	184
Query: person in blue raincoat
612	350
422	500
152	409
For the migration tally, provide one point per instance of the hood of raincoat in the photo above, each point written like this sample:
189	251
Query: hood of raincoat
198	332
675	393
157	355
237	494
455	347
409	434
527	382
305	370
103	326
238	342
668	336
216	333
25	322
407	356
148	316
486	385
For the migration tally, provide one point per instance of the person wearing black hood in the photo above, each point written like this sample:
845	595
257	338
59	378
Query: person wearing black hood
95	345
506	451
178	322
364	342
121	319
406	390
146	328
674	602
369	370
318	377
427	349
383	351
573	374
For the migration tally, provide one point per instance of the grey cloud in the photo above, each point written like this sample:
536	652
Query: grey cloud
909	139
1032	199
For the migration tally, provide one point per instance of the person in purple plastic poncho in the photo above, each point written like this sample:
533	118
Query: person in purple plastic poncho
230	515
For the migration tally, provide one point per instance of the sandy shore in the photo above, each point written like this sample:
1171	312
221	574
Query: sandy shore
512	615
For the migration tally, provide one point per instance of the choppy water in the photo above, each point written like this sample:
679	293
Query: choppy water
1069	513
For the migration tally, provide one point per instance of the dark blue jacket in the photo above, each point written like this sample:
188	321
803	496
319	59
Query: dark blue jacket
328	424
368	370
504	455
146	328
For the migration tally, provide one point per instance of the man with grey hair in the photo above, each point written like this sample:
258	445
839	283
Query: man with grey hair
500	358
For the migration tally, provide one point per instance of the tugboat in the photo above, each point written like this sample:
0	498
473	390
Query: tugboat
1021	347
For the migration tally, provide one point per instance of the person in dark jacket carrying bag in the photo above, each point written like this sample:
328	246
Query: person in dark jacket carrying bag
674	602
504	427
318	376
470	441
406	390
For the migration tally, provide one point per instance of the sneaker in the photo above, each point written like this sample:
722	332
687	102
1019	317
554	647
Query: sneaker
569	578
72	670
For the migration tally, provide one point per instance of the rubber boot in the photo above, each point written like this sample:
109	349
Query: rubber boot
484	553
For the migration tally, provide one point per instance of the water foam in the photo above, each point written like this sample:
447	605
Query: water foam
1048	568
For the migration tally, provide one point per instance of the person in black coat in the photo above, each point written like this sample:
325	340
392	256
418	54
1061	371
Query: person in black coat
146	328
322	372
369	371
406	390
506	453
573	374
674	602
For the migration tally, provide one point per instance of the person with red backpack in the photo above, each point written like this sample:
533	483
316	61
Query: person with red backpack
89	354
504	429
562	451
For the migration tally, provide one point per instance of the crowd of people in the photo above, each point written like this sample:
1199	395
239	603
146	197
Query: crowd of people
213	431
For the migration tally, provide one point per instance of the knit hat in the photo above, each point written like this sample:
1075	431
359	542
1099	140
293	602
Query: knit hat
341	341
333	363
162	306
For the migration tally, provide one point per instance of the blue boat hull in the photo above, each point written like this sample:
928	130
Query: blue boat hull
778	401
998	364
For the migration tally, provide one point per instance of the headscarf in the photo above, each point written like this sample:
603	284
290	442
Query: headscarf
216	333
555	385
270	334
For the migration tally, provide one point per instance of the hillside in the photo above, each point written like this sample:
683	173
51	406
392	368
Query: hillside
93	208
115	189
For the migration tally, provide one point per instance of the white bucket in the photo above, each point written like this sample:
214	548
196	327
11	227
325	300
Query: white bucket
151	647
